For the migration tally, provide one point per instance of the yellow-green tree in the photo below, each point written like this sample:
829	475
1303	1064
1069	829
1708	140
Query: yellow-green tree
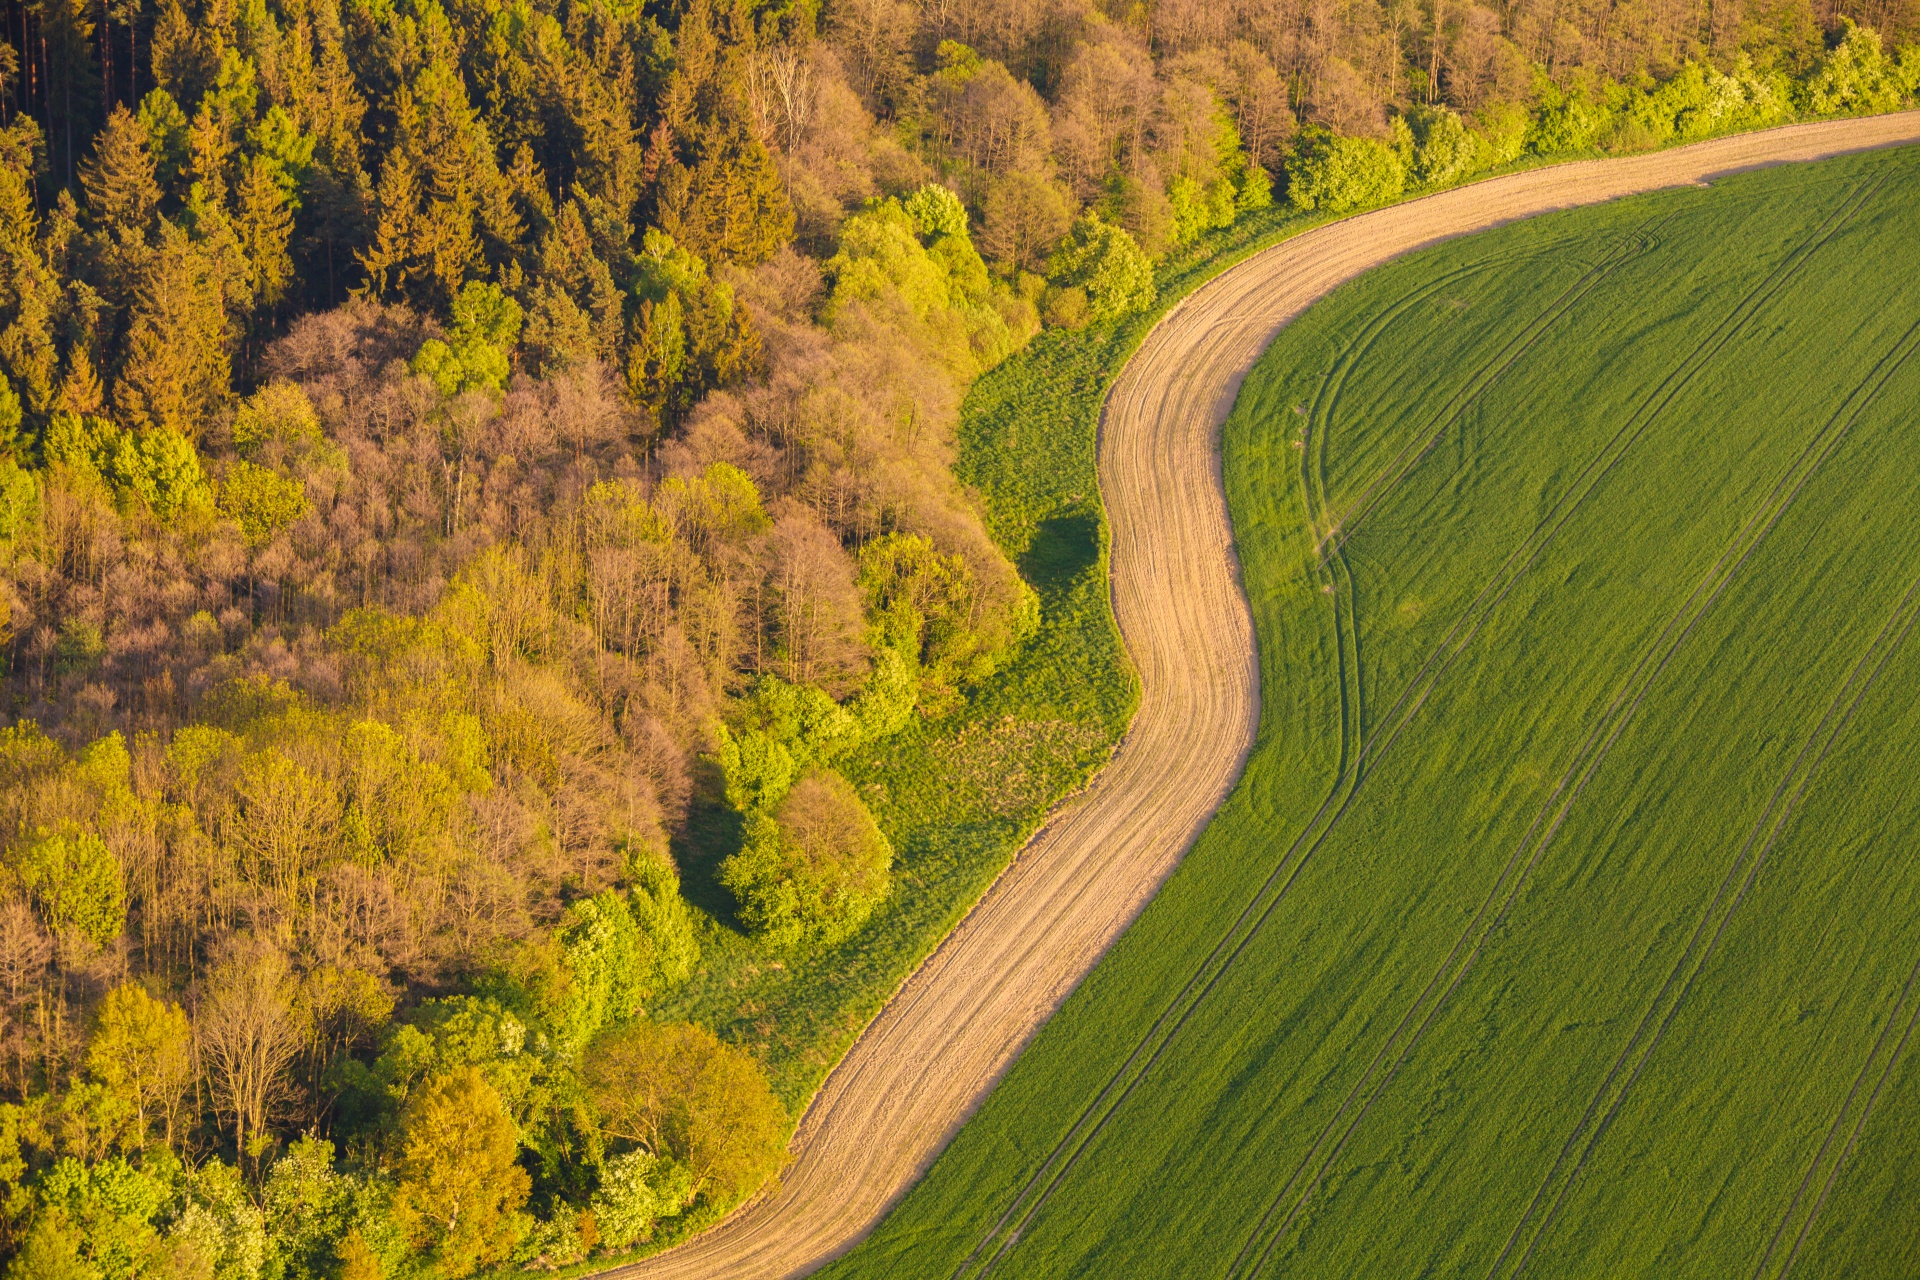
675	1091
460	1190
142	1051
177	368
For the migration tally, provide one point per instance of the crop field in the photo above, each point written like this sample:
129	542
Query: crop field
1567	919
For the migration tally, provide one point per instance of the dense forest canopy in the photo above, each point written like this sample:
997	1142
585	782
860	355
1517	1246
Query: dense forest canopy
443	443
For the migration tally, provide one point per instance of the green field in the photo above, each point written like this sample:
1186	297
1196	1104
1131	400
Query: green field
1567	920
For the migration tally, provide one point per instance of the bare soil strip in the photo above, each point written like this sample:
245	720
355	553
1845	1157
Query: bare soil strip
930	1057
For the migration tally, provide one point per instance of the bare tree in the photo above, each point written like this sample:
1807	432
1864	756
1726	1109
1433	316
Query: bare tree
249	1039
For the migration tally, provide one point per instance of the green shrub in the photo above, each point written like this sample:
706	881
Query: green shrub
1104	262
637	1189
1858	78
813	870
1338	175
1436	146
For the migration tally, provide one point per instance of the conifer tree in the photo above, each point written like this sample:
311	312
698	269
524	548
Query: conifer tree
28	290
176	369
733	207
73	82
119	179
263	223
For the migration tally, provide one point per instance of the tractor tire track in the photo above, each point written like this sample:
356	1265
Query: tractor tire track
1772	822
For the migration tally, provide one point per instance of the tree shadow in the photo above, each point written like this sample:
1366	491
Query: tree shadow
711	834
1065	546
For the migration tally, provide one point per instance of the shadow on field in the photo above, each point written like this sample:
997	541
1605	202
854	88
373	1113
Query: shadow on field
711	834
1064	546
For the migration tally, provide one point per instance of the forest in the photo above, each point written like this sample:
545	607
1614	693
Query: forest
448	446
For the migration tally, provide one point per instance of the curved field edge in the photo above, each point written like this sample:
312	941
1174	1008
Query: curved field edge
925	1221
1027	442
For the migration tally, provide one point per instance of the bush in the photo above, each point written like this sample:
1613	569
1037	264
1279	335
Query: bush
1564	124
1436	146
1068	309
1338	175
1104	262
812	871
1858	78
637	1189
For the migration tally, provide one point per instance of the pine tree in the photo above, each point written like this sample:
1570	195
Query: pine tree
28	289
119	179
176	370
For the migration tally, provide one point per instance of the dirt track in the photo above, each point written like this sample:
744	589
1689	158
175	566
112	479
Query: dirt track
936	1049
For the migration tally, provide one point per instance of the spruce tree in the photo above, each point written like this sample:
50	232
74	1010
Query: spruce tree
263	222
119	179
176	369
29	291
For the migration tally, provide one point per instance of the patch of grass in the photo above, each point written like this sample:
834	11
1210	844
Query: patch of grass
1573	930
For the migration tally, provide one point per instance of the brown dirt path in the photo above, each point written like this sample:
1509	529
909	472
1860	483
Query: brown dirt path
957	1024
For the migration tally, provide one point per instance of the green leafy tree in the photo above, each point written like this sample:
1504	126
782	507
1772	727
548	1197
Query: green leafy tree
813	870
674	1091
1338	175
113	1204
477	353
637	1189
306	1206
142	1050
1857	77
1104	262
52	1250
219	1222
1436	147
279	411
689	338
460	1190
260	500
156	469
75	883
